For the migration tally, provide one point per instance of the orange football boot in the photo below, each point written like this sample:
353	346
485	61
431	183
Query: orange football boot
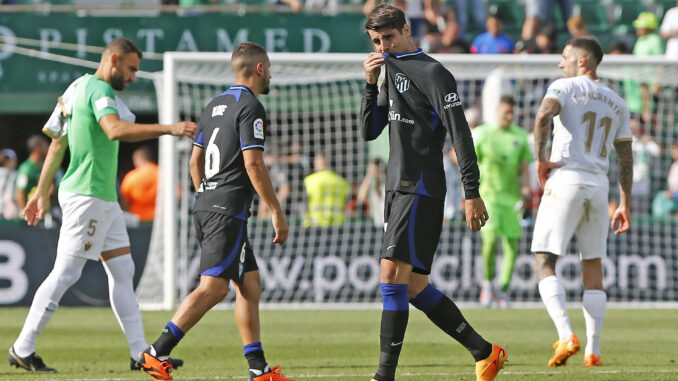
486	370
592	360
563	350
274	375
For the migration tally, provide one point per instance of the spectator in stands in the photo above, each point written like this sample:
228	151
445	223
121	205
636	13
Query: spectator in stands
645	149
445	36
29	171
494	41
618	47
372	191
418	13
577	26
669	31
665	201
280	179
295	6
542	43
8	209
327	194
479	14
140	185
539	12
649	43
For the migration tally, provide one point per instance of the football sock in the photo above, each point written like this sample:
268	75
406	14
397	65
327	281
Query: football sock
442	311
553	295
393	324
169	338
66	272
594	304
120	271
489	252
510	253
254	353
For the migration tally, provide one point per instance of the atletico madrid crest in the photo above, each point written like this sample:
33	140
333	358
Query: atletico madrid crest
402	83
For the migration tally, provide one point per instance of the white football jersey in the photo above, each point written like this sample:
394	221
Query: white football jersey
592	118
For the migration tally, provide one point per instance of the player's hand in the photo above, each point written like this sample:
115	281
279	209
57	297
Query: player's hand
280	226
476	214
183	129
35	209
372	67
544	169
622	218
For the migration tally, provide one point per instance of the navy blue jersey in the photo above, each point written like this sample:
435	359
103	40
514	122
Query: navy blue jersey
232	122
420	104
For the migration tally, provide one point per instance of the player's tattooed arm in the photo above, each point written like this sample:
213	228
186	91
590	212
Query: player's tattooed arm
545	265
542	127
625	163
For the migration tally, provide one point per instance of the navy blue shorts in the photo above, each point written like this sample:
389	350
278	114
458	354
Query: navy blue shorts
226	250
413	229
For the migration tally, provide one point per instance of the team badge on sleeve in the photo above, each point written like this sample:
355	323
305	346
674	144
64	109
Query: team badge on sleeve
259	129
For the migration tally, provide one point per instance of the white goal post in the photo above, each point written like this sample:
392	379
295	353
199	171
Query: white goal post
313	106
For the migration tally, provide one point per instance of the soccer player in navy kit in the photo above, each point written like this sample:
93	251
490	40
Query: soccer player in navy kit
227	167
418	101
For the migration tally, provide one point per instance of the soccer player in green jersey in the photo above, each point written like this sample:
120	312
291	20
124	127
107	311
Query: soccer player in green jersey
503	157
93	227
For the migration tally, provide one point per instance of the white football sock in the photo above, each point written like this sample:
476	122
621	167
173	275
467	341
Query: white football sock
66	272
594	304
553	295
120	271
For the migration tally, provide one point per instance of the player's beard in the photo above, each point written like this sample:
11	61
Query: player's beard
117	82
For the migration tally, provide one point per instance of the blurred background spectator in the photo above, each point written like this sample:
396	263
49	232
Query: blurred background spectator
669	31
577	26
8	209
28	172
327	193
372	192
540	12
645	152
494	41
140	185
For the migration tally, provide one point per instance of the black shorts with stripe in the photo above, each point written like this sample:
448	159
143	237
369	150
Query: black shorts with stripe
226	250
413	229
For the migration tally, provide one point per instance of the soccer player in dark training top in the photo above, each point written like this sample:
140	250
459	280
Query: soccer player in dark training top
227	167
420	103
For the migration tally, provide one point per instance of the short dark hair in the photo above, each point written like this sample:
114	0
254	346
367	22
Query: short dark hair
35	141
385	16
507	99
123	46
248	48
590	44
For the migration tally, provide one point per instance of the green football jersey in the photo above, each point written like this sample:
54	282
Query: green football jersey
27	176
500	156
94	157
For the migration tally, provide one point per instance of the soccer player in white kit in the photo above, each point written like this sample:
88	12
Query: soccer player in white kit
589	118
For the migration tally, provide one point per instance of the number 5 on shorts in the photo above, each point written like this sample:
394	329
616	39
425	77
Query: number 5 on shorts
91	228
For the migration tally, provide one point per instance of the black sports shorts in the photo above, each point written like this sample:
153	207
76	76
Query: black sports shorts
226	250
413	229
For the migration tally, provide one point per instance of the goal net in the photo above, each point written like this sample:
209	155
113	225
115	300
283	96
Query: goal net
314	106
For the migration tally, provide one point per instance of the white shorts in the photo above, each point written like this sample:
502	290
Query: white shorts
568	210
90	225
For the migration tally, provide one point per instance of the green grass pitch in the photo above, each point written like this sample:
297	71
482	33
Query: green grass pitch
86	344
